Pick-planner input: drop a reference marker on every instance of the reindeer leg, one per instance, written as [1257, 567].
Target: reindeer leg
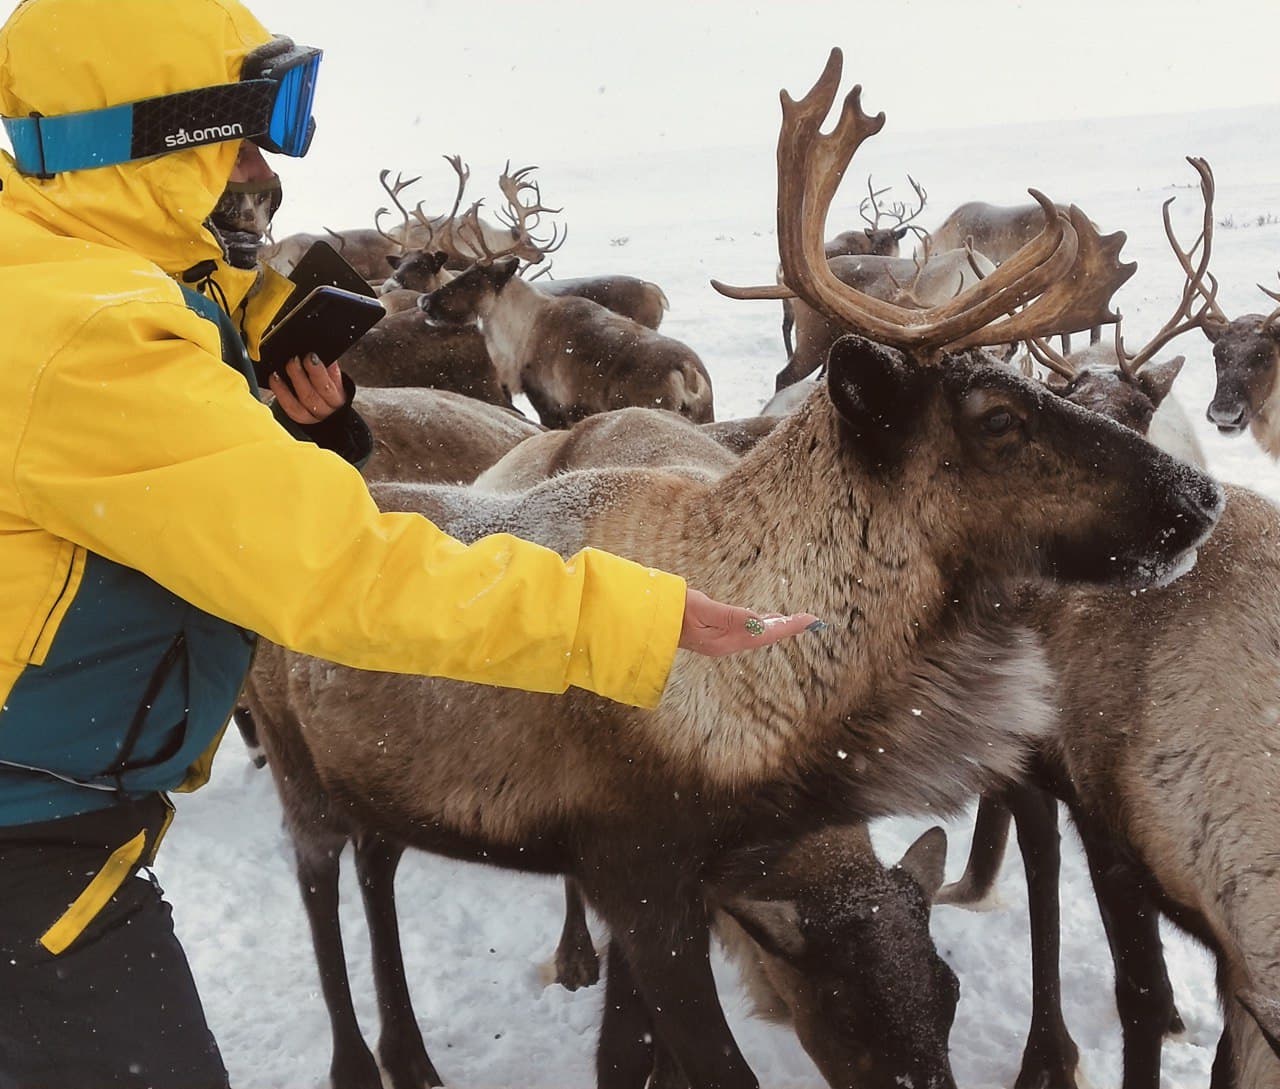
[353, 1065]
[986, 853]
[625, 1054]
[1143, 997]
[1050, 1058]
[788, 322]
[1223, 1074]
[576, 962]
[666, 963]
[400, 1047]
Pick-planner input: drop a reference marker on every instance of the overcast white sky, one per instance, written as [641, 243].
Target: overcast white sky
[665, 74]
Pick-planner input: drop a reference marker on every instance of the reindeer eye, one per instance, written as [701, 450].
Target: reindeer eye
[999, 422]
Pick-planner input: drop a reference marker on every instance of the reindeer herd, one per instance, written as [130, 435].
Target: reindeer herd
[1034, 593]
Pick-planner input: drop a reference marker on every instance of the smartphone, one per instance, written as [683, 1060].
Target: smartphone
[322, 265]
[327, 322]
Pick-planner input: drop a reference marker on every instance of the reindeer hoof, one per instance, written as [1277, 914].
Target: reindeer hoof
[579, 967]
[964, 894]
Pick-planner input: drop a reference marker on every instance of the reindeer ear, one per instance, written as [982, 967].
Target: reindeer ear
[1266, 1012]
[503, 269]
[394, 259]
[774, 925]
[1214, 330]
[877, 393]
[900, 233]
[926, 861]
[1157, 379]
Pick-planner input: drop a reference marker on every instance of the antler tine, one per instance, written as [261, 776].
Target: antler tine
[1198, 274]
[470, 223]
[872, 199]
[920, 192]
[464, 175]
[1047, 356]
[523, 218]
[1183, 320]
[1274, 316]
[1079, 299]
[394, 190]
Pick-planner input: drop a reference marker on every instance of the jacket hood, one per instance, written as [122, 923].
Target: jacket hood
[62, 56]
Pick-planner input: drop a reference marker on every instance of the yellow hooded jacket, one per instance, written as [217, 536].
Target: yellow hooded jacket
[152, 512]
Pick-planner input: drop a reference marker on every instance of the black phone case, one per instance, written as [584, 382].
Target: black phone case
[327, 322]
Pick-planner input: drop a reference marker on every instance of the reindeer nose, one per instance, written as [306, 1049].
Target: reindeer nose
[1229, 416]
[1208, 498]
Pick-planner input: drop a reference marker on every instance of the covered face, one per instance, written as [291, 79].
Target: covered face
[61, 57]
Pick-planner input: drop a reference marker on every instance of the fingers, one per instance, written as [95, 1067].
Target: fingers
[317, 390]
[288, 402]
[715, 629]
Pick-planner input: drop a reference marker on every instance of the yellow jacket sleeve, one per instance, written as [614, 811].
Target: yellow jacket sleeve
[141, 445]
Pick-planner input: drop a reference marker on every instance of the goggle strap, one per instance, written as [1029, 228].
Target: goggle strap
[45, 146]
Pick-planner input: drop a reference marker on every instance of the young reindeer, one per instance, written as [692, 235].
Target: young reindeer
[897, 508]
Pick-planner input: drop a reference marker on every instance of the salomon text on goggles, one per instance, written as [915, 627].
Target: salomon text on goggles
[271, 105]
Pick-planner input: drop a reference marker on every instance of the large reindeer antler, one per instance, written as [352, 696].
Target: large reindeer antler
[1063, 279]
[1183, 320]
[524, 218]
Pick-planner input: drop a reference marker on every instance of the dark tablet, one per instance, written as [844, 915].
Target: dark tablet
[327, 322]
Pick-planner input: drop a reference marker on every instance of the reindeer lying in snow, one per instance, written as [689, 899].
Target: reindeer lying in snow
[570, 356]
[901, 536]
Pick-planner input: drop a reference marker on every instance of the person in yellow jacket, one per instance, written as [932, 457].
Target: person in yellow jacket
[155, 517]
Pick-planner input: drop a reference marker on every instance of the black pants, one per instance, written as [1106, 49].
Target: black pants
[118, 1008]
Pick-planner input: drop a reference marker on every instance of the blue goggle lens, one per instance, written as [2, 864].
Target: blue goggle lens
[291, 127]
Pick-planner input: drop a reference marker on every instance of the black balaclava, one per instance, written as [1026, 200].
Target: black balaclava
[242, 217]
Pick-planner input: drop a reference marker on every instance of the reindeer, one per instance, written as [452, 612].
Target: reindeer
[1246, 354]
[902, 536]
[570, 356]
[872, 239]
[436, 435]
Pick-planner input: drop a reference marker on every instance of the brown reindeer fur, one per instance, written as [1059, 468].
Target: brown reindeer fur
[1246, 353]
[919, 693]
[403, 350]
[572, 357]
[994, 230]
[829, 941]
[436, 435]
[1169, 748]
[640, 300]
[629, 436]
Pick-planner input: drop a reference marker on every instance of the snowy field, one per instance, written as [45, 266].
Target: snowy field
[474, 937]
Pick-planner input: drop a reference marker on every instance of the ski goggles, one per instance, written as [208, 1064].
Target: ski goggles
[271, 105]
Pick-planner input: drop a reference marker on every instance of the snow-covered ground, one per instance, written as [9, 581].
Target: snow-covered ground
[474, 937]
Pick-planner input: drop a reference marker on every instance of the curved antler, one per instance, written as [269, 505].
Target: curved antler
[1065, 275]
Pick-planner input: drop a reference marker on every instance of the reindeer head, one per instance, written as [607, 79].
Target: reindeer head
[846, 951]
[886, 227]
[418, 270]
[966, 441]
[466, 299]
[1246, 354]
